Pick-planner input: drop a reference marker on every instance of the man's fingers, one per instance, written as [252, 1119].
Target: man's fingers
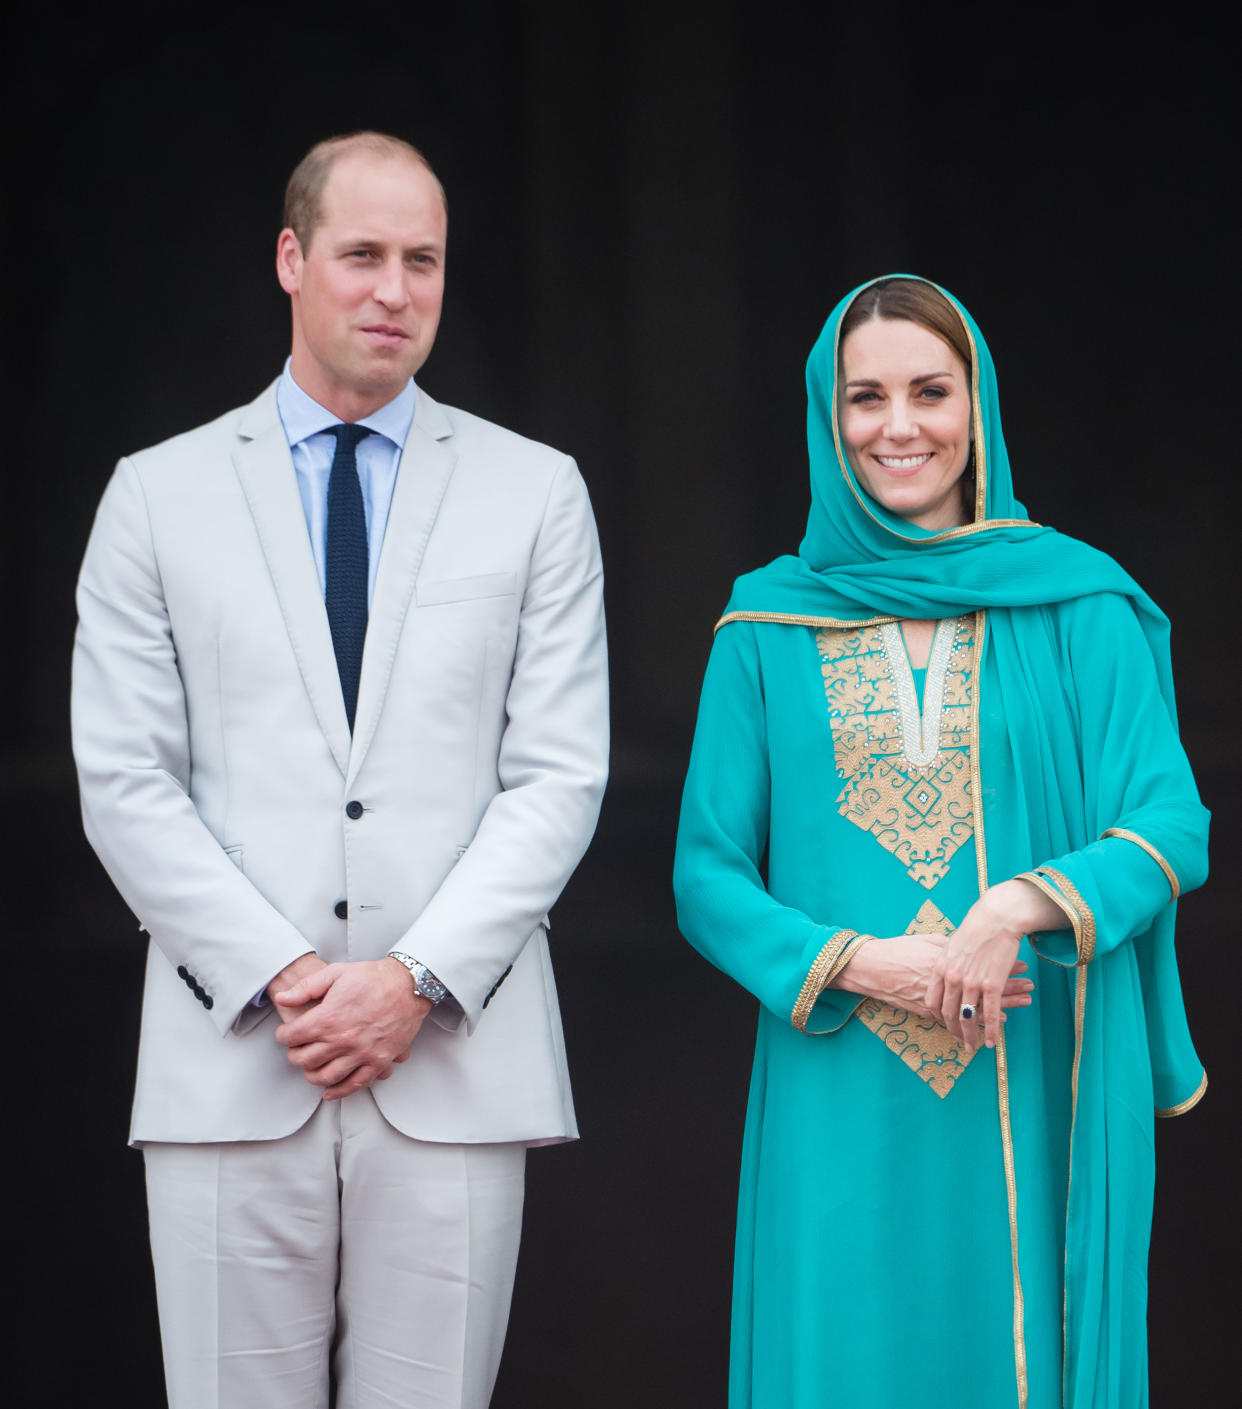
[357, 1080]
[339, 1072]
[309, 989]
[313, 1056]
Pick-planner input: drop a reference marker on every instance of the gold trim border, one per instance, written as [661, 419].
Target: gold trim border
[1002, 1062]
[1011, 1191]
[1080, 1015]
[1170, 874]
[1183, 1106]
[1086, 945]
[837, 966]
[817, 976]
[1062, 904]
[797, 619]
[829, 962]
[976, 792]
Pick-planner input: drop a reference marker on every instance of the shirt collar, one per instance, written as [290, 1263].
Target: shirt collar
[302, 416]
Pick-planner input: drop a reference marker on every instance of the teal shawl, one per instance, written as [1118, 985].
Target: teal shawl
[859, 562]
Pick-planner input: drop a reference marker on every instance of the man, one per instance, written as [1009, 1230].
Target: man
[344, 857]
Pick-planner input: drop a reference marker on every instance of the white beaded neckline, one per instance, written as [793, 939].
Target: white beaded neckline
[920, 730]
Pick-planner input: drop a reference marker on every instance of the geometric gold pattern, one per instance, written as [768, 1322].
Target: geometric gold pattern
[923, 1044]
[905, 782]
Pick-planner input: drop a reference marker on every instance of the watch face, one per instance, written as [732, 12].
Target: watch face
[429, 986]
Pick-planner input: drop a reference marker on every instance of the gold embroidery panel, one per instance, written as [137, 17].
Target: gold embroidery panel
[924, 1045]
[920, 815]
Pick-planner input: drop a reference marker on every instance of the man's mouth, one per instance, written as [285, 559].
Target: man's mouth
[385, 334]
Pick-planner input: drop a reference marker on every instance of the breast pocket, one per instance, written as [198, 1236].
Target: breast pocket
[465, 589]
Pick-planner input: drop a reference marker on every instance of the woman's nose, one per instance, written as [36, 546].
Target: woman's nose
[901, 423]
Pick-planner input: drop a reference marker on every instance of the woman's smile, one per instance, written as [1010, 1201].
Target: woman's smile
[904, 463]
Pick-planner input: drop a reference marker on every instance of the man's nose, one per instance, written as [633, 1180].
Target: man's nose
[390, 287]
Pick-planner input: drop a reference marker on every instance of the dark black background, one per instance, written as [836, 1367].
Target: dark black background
[653, 209]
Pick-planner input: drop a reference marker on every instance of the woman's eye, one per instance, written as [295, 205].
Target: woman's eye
[863, 398]
[934, 393]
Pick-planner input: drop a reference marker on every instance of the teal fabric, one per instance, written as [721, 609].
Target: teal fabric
[1077, 736]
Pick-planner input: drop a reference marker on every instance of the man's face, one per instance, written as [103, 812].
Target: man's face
[367, 292]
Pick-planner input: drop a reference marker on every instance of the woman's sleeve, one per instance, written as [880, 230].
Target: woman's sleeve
[1151, 827]
[723, 907]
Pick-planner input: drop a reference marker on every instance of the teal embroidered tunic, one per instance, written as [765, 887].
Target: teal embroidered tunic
[902, 1214]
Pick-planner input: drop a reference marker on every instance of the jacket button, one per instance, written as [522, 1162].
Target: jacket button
[341, 910]
[353, 810]
[209, 1002]
[183, 973]
[198, 991]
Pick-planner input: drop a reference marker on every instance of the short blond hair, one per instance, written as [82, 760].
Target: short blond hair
[304, 193]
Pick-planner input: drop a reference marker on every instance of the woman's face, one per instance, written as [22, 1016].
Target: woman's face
[905, 419]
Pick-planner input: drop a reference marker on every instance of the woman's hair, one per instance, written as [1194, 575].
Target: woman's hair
[914, 301]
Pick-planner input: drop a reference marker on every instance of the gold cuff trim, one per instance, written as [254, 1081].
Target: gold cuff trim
[838, 965]
[1062, 904]
[1084, 932]
[797, 619]
[829, 962]
[1183, 1106]
[1170, 874]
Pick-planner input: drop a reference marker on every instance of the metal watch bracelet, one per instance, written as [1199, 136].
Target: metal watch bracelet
[425, 981]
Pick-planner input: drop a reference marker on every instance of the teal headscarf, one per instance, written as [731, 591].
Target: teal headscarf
[860, 562]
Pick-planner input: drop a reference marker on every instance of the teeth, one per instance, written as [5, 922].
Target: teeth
[902, 462]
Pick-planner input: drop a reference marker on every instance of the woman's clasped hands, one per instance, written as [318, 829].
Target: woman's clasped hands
[978, 975]
[967, 979]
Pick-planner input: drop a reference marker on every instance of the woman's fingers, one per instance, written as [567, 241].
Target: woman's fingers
[933, 999]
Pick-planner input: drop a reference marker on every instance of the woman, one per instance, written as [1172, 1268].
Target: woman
[936, 818]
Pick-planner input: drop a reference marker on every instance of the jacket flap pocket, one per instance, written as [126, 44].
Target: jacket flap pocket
[462, 589]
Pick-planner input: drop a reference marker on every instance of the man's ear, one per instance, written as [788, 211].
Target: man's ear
[288, 261]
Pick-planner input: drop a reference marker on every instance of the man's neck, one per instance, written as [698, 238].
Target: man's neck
[348, 404]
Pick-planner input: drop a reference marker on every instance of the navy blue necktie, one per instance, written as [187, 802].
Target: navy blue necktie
[346, 564]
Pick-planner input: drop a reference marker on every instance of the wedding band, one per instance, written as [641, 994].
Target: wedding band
[968, 1011]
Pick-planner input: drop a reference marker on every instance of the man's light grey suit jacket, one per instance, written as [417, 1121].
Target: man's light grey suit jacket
[217, 768]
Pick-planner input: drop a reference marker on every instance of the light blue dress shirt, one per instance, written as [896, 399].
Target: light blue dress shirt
[312, 446]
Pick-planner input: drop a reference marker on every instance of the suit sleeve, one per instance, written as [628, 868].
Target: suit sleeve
[552, 764]
[131, 746]
[779, 954]
[1151, 828]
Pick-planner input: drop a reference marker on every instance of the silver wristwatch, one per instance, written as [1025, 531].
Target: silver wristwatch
[424, 980]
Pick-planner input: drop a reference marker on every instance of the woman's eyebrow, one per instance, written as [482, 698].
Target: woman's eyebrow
[914, 381]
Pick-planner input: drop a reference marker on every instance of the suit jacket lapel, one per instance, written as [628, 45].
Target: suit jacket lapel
[422, 477]
[265, 469]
